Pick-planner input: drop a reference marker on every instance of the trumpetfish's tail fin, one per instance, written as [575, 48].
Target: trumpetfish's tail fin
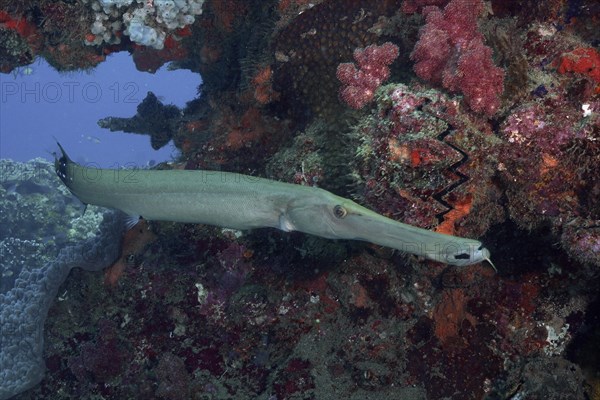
[63, 168]
[61, 165]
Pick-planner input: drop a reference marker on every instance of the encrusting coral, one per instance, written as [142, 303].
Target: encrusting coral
[29, 286]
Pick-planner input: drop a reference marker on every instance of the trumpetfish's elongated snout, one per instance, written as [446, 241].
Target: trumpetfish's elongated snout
[243, 202]
[335, 217]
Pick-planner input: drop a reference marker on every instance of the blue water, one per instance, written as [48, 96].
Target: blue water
[40, 104]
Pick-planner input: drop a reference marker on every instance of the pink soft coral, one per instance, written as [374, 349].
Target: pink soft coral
[450, 52]
[360, 83]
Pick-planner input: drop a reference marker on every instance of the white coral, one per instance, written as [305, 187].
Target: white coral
[146, 22]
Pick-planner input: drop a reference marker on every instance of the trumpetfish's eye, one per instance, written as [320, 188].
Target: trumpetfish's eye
[462, 256]
[339, 211]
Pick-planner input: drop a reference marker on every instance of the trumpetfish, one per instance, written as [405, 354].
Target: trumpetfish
[237, 201]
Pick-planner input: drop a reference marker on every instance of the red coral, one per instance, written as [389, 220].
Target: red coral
[584, 61]
[21, 26]
[451, 52]
[360, 83]
[147, 59]
[25, 29]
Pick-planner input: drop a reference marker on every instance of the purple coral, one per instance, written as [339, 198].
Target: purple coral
[583, 242]
[100, 360]
[532, 124]
[450, 52]
[174, 380]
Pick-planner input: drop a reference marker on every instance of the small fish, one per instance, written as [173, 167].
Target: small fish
[21, 72]
[93, 139]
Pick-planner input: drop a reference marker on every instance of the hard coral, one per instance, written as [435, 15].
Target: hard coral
[451, 52]
[310, 47]
[359, 84]
[550, 150]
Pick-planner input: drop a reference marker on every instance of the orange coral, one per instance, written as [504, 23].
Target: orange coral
[263, 76]
[358, 296]
[250, 128]
[262, 82]
[548, 162]
[209, 54]
[461, 209]
[133, 242]
[450, 313]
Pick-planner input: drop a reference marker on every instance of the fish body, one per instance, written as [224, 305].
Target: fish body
[242, 202]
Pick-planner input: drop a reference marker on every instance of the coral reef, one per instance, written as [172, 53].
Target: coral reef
[79, 35]
[584, 61]
[312, 45]
[552, 147]
[146, 23]
[32, 279]
[487, 126]
[54, 30]
[413, 163]
[19, 39]
[39, 217]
